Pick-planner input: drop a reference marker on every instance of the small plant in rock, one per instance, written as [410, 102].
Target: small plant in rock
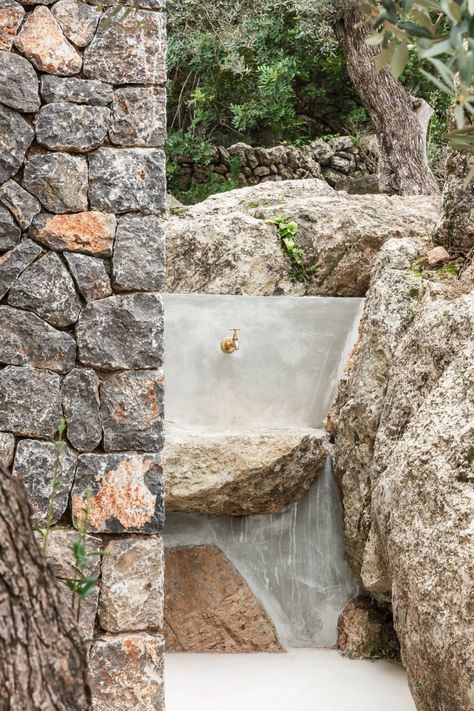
[287, 231]
[80, 583]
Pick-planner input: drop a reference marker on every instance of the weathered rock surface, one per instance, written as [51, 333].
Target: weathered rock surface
[13, 263]
[127, 180]
[39, 465]
[90, 276]
[389, 309]
[47, 288]
[30, 404]
[80, 399]
[410, 489]
[365, 631]
[138, 116]
[11, 15]
[15, 138]
[88, 232]
[78, 20]
[25, 339]
[10, 233]
[224, 244]
[131, 51]
[132, 584]
[42, 41]
[7, 448]
[209, 606]
[122, 332]
[139, 254]
[72, 127]
[78, 91]
[58, 180]
[127, 492]
[21, 204]
[131, 408]
[241, 473]
[455, 229]
[18, 83]
[60, 557]
[127, 672]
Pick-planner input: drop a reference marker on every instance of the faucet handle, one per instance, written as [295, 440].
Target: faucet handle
[235, 330]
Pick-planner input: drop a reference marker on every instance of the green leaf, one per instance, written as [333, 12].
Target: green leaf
[444, 71]
[415, 30]
[375, 39]
[437, 82]
[400, 59]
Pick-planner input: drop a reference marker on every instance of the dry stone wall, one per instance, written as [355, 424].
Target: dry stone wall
[82, 190]
[342, 163]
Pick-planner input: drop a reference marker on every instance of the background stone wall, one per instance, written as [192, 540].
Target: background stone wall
[336, 161]
[82, 188]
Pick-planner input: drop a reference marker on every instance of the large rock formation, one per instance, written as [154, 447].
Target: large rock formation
[241, 473]
[210, 608]
[225, 245]
[403, 456]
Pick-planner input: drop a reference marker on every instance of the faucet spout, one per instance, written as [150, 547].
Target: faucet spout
[230, 344]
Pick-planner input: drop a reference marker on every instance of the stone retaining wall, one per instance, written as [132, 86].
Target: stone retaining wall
[335, 161]
[82, 189]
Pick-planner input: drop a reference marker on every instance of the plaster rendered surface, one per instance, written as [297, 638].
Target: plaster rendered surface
[294, 561]
[283, 375]
[303, 680]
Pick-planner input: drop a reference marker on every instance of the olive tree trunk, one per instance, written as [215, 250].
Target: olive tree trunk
[42, 658]
[400, 121]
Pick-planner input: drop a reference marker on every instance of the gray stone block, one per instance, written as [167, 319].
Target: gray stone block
[80, 397]
[90, 275]
[18, 83]
[10, 233]
[58, 180]
[13, 263]
[138, 262]
[72, 127]
[127, 180]
[30, 403]
[7, 448]
[131, 51]
[122, 332]
[16, 136]
[40, 465]
[21, 204]
[25, 339]
[78, 20]
[78, 91]
[131, 408]
[139, 116]
[47, 289]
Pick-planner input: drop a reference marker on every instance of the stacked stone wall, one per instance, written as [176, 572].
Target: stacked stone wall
[336, 161]
[82, 190]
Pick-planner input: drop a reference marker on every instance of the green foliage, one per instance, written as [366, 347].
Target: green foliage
[441, 33]
[287, 231]
[265, 71]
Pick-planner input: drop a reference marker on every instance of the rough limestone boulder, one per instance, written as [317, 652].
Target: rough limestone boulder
[209, 606]
[404, 449]
[242, 473]
[225, 245]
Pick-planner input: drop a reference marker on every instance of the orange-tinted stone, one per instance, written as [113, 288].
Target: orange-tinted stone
[88, 232]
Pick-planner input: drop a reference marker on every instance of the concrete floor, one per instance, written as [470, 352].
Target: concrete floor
[301, 680]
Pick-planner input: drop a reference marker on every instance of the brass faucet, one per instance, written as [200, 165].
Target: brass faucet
[231, 343]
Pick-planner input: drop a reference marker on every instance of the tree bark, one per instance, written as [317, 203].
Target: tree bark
[399, 121]
[42, 658]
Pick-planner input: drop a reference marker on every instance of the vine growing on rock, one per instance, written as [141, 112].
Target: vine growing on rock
[287, 231]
